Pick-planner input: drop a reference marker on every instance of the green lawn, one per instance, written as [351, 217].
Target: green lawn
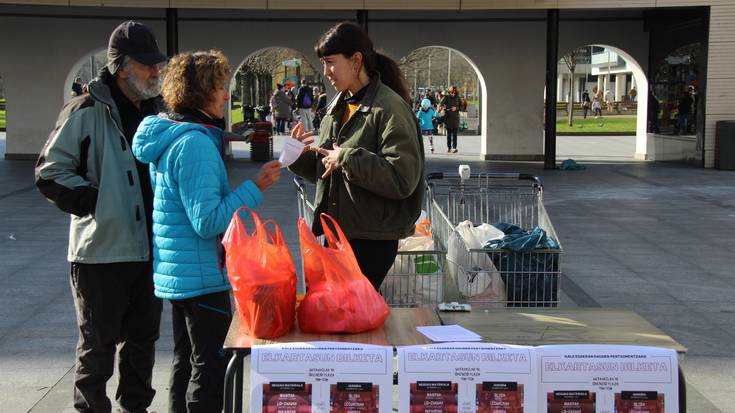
[236, 114]
[592, 125]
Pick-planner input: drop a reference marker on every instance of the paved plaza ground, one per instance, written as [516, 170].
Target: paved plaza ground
[654, 238]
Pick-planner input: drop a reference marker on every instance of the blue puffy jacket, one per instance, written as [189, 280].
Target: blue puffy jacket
[425, 118]
[192, 206]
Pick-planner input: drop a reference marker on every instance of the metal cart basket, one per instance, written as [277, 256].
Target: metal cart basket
[416, 277]
[493, 275]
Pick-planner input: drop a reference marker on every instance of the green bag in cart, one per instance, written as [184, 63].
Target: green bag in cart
[426, 264]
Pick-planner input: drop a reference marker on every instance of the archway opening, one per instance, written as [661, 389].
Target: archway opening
[601, 116]
[430, 71]
[83, 71]
[253, 86]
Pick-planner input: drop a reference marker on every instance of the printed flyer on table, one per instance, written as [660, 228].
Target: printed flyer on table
[321, 377]
[608, 379]
[463, 377]
[466, 378]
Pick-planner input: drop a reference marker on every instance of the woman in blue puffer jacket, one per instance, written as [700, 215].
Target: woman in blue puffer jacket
[192, 206]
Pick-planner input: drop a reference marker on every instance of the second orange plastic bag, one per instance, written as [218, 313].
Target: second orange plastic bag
[263, 277]
[339, 298]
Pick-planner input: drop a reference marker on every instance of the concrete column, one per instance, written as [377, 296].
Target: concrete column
[606, 83]
[172, 32]
[552, 59]
[600, 83]
[560, 88]
[577, 94]
[620, 91]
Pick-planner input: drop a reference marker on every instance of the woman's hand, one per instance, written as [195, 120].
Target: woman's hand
[304, 137]
[330, 160]
[268, 175]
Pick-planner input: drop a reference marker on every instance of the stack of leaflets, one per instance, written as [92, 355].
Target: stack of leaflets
[448, 333]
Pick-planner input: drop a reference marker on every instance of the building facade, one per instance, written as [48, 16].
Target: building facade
[504, 40]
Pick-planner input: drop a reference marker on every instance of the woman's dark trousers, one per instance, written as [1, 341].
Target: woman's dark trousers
[198, 371]
[452, 138]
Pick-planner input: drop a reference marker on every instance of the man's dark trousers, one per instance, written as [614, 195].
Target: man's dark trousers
[115, 305]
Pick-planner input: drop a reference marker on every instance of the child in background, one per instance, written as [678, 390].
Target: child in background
[426, 117]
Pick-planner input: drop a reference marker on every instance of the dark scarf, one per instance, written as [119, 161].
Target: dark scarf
[357, 97]
[197, 116]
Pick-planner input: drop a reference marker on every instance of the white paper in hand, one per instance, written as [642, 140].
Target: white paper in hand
[291, 151]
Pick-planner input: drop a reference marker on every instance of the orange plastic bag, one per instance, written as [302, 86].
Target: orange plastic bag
[263, 277]
[339, 298]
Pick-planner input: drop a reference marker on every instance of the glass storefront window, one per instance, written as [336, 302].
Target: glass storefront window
[674, 98]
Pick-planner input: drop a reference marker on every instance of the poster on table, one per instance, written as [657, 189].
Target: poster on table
[607, 379]
[321, 377]
[467, 377]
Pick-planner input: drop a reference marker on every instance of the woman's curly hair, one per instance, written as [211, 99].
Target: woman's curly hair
[190, 78]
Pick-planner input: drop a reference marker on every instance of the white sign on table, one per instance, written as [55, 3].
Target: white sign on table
[321, 377]
[466, 377]
[607, 379]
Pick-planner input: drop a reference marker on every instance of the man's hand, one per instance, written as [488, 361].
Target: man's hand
[268, 175]
[330, 160]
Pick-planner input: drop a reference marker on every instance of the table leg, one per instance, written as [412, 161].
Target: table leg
[233, 374]
[682, 392]
[238, 382]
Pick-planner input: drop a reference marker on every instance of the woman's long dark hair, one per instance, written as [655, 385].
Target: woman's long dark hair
[347, 38]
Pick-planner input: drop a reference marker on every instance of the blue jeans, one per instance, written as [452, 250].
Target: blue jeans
[683, 121]
[280, 125]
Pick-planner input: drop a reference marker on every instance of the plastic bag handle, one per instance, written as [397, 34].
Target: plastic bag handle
[259, 230]
[275, 236]
[338, 241]
[335, 242]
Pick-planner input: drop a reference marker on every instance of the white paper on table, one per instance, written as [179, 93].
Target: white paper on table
[448, 333]
[291, 151]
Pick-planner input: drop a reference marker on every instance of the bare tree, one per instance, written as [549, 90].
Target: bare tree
[571, 59]
[258, 73]
[266, 60]
[428, 67]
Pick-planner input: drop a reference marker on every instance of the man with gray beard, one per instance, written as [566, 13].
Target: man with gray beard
[87, 170]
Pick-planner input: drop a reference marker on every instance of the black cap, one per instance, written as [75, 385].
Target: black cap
[135, 40]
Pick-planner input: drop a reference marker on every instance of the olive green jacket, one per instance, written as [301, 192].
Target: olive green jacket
[378, 191]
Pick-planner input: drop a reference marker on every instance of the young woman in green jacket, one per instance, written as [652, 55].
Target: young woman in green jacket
[368, 161]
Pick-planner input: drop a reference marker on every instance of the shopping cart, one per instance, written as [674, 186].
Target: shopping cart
[494, 277]
[416, 277]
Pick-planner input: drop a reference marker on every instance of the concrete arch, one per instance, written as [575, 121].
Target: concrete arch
[641, 146]
[75, 69]
[483, 90]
